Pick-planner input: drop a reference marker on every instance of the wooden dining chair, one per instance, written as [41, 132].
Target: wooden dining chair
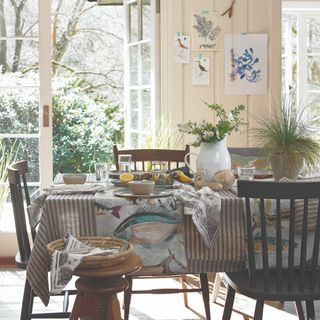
[283, 264]
[141, 157]
[174, 159]
[20, 194]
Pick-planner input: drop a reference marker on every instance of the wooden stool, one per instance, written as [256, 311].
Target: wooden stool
[98, 288]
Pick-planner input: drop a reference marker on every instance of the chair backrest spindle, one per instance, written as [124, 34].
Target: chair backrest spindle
[291, 204]
[141, 157]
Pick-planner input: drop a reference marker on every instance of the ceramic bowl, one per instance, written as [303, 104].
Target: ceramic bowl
[74, 178]
[141, 187]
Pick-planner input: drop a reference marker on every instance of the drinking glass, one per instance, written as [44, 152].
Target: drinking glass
[246, 172]
[158, 171]
[102, 172]
[124, 161]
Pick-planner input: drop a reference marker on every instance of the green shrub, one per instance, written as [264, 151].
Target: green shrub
[84, 130]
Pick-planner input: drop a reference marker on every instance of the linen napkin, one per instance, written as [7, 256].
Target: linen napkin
[74, 188]
[63, 263]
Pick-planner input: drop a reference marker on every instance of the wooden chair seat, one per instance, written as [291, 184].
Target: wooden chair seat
[241, 283]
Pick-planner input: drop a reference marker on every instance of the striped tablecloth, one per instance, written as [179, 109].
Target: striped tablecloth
[76, 214]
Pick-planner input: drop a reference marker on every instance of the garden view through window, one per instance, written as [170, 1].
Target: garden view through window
[88, 83]
[301, 53]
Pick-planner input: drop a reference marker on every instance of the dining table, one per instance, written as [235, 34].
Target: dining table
[181, 247]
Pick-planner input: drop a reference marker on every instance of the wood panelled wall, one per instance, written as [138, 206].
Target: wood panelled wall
[180, 98]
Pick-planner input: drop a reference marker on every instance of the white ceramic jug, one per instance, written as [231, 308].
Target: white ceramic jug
[212, 157]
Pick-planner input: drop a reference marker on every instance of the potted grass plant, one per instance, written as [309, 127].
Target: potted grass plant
[289, 139]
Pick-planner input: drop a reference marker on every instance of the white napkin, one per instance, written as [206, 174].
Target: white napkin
[74, 188]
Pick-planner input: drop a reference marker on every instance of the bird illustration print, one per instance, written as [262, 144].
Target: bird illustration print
[182, 47]
[202, 69]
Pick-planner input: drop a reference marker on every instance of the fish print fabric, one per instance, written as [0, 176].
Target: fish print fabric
[153, 226]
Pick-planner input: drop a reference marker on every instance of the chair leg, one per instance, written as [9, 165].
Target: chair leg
[65, 302]
[258, 312]
[127, 298]
[310, 310]
[27, 302]
[216, 287]
[299, 310]
[205, 294]
[229, 303]
[184, 286]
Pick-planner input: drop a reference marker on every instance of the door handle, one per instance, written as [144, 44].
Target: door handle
[45, 117]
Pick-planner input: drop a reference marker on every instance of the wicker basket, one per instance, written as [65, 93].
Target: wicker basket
[98, 261]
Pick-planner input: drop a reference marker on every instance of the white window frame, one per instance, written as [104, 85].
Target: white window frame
[44, 87]
[302, 10]
[155, 74]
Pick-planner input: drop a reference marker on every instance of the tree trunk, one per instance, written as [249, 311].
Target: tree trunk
[18, 27]
[62, 44]
[3, 44]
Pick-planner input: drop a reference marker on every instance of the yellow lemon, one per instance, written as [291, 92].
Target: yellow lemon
[126, 177]
[184, 179]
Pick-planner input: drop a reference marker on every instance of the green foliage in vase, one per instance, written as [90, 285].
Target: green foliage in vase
[287, 132]
[209, 132]
[84, 129]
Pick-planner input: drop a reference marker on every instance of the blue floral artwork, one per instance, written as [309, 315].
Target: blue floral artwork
[245, 66]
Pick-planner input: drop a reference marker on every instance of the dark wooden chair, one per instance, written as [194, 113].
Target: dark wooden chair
[285, 281]
[174, 159]
[140, 157]
[19, 191]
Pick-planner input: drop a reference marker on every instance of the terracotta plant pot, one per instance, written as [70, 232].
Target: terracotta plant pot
[285, 166]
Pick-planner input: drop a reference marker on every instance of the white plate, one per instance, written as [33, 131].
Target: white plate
[154, 194]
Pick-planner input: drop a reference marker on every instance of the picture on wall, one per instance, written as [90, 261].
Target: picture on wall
[246, 64]
[206, 31]
[181, 49]
[201, 70]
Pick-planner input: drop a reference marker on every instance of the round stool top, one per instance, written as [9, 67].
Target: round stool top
[131, 265]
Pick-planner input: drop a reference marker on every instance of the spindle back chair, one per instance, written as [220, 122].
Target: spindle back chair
[295, 274]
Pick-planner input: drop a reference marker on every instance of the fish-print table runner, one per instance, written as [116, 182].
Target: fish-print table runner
[78, 213]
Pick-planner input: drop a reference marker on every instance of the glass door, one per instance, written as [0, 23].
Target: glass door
[140, 74]
[25, 86]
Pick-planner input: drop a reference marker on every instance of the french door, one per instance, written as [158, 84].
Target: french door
[141, 75]
[25, 85]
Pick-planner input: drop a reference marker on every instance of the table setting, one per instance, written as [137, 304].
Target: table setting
[183, 231]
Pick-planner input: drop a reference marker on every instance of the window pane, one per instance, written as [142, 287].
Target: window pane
[134, 109]
[134, 140]
[134, 119]
[133, 8]
[19, 65]
[133, 65]
[146, 63]
[19, 111]
[26, 149]
[313, 35]
[146, 109]
[28, 15]
[313, 73]
[314, 102]
[146, 19]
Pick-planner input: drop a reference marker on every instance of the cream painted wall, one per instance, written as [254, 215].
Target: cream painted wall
[180, 98]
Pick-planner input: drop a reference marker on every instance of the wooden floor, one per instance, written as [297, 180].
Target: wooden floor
[144, 307]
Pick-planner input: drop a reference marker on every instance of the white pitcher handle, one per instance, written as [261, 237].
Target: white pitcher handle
[186, 161]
